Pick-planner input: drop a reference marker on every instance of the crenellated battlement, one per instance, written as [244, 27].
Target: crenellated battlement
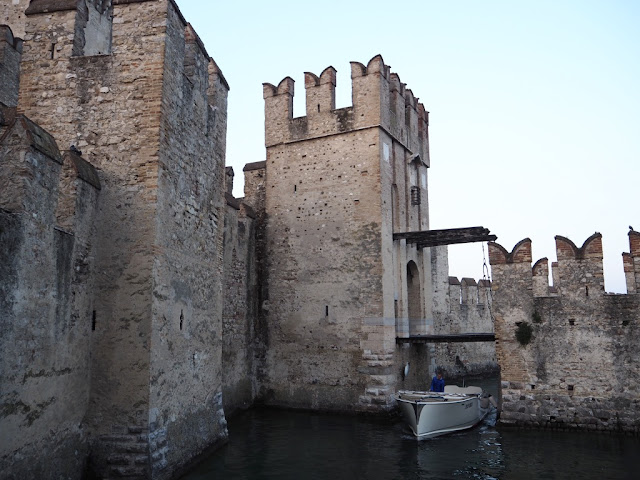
[578, 272]
[551, 340]
[379, 99]
[500, 256]
[468, 291]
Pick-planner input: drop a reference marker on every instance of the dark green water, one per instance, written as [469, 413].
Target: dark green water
[279, 444]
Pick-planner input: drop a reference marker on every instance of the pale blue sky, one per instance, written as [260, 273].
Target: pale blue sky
[535, 106]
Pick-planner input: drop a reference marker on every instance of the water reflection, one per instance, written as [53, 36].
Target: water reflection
[277, 444]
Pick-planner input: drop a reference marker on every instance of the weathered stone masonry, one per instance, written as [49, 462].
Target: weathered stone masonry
[580, 370]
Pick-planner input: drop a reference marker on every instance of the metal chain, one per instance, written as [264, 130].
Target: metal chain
[486, 276]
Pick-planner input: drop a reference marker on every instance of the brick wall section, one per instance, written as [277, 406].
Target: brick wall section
[541, 278]
[470, 312]
[512, 303]
[47, 279]
[255, 182]
[578, 371]
[580, 270]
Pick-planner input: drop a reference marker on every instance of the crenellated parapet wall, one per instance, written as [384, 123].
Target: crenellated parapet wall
[566, 352]
[380, 99]
[580, 270]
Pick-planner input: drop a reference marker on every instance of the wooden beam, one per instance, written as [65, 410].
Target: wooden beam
[454, 338]
[432, 238]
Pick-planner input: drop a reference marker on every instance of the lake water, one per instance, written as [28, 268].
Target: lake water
[280, 444]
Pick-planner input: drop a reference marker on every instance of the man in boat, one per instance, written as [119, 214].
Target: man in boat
[437, 383]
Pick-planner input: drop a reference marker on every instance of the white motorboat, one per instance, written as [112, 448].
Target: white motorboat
[430, 414]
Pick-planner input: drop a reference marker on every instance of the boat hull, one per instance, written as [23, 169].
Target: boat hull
[430, 415]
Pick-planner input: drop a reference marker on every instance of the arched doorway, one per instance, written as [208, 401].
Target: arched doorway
[413, 292]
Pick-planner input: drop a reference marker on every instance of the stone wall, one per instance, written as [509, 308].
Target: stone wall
[45, 303]
[240, 341]
[578, 371]
[186, 328]
[177, 302]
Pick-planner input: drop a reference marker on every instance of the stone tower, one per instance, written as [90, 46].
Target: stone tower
[338, 289]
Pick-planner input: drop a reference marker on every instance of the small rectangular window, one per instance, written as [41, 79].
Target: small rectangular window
[415, 196]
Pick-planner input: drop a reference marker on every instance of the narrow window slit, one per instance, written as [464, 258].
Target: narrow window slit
[181, 319]
[93, 321]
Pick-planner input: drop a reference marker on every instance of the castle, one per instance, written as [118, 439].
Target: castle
[142, 304]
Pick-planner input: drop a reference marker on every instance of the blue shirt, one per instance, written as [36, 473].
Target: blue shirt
[437, 385]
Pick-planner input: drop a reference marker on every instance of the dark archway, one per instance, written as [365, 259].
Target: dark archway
[413, 291]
